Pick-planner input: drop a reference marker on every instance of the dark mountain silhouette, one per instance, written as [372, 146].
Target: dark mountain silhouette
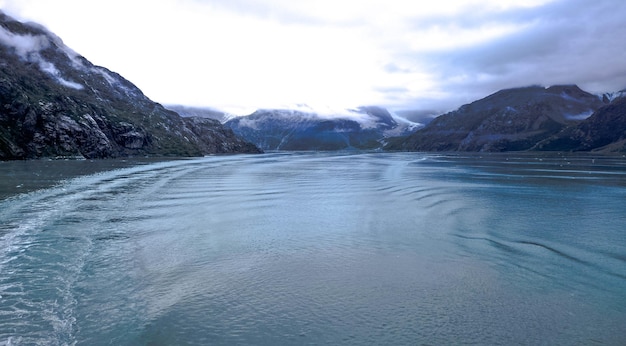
[605, 130]
[508, 120]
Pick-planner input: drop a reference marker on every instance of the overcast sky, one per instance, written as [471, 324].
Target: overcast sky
[239, 55]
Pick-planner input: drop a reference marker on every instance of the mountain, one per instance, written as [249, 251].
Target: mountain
[508, 120]
[612, 96]
[201, 112]
[363, 128]
[53, 102]
[604, 130]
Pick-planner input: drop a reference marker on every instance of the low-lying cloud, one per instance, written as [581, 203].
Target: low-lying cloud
[28, 48]
[25, 46]
[562, 42]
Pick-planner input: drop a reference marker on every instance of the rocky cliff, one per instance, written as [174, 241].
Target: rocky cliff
[53, 102]
[508, 120]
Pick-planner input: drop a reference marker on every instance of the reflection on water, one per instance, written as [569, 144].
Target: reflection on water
[321, 248]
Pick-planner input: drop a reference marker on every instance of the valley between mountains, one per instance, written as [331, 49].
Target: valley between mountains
[55, 103]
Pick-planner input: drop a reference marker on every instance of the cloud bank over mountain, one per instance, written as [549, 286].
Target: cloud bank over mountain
[243, 55]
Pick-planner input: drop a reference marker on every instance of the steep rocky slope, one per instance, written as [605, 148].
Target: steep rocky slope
[512, 119]
[53, 102]
[605, 130]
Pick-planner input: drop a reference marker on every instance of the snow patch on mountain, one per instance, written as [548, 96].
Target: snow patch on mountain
[404, 127]
[612, 96]
[305, 129]
[322, 112]
[367, 118]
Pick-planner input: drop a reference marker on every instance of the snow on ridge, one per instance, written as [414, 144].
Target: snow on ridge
[228, 117]
[404, 121]
[612, 96]
[304, 112]
[323, 112]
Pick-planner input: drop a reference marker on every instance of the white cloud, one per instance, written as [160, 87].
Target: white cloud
[239, 55]
[28, 47]
[25, 45]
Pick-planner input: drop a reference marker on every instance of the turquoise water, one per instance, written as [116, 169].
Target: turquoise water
[320, 248]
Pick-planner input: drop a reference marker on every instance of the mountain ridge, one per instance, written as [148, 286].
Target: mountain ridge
[604, 130]
[508, 120]
[287, 129]
[54, 103]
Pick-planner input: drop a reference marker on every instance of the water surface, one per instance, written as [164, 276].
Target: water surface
[321, 248]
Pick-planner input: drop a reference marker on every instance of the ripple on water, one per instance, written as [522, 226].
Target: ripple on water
[318, 248]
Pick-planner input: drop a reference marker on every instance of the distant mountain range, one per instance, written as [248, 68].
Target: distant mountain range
[556, 118]
[362, 128]
[559, 118]
[53, 102]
